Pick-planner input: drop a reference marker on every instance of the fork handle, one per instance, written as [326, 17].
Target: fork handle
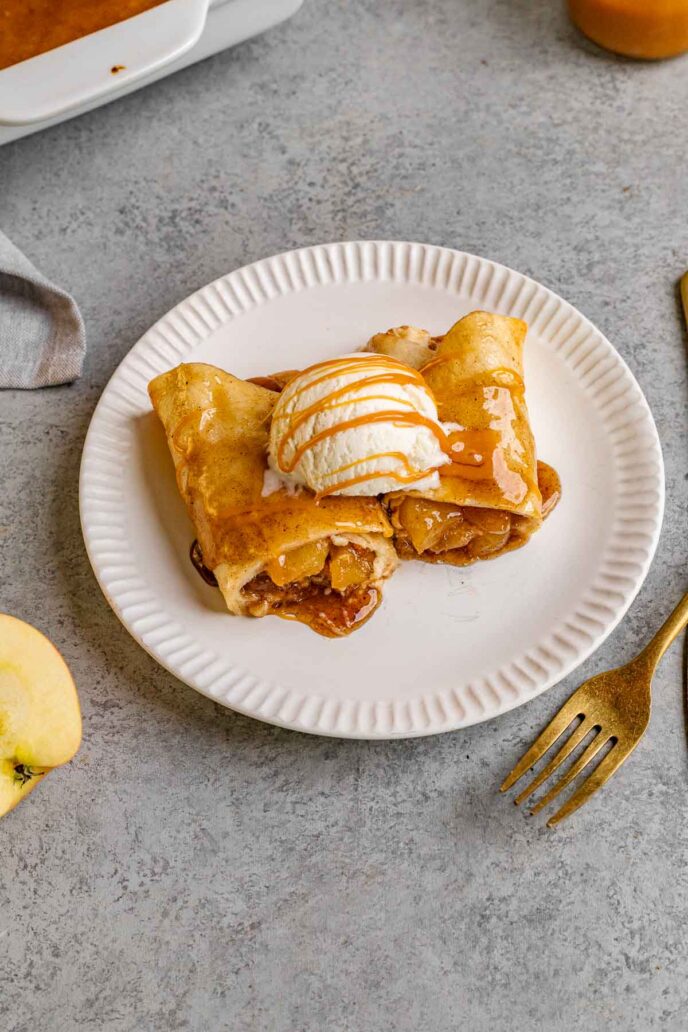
[670, 629]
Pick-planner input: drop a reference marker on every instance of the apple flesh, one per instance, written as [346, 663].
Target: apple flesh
[40, 718]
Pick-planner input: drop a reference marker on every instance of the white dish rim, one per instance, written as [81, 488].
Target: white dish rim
[99, 64]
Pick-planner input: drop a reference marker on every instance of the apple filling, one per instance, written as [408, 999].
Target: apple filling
[323, 584]
[462, 534]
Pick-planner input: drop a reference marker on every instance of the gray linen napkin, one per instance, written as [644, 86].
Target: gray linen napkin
[42, 336]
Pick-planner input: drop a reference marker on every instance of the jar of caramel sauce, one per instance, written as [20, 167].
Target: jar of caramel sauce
[649, 29]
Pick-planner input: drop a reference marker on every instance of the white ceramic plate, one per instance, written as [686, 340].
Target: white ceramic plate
[449, 647]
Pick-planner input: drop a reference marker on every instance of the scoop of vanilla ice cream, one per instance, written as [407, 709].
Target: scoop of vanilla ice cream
[311, 444]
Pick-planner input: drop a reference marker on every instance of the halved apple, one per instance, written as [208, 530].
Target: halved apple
[40, 718]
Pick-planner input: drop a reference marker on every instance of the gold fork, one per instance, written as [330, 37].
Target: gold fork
[616, 705]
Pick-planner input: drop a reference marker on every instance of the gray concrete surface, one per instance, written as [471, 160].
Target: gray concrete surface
[197, 870]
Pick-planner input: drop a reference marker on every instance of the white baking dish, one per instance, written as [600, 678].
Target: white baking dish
[97, 68]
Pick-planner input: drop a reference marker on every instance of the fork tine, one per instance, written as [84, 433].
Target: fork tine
[601, 774]
[556, 727]
[584, 728]
[574, 770]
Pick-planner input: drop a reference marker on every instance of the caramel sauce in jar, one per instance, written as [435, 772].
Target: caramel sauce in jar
[649, 29]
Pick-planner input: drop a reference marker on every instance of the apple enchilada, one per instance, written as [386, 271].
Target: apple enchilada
[305, 488]
[284, 553]
[494, 494]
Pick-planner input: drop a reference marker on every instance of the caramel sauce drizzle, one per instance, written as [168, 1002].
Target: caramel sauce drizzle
[470, 451]
[501, 379]
[412, 472]
[476, 461]
[330, 401]
[412, 476]
[501, 376]
[394, 416]
[356, 365]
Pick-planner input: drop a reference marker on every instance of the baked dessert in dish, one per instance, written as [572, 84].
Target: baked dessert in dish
[306, 488]
[29, 29]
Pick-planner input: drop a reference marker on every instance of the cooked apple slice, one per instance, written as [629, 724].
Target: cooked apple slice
[436, 526]
[40, 719]
[304, 561]
[457, 533]
[487, 544]
[488, 521]
[350, 566]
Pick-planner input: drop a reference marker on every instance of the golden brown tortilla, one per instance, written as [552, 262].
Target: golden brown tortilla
[339, 549]
[490, 500]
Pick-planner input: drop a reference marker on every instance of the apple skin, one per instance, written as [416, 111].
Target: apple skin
[40, 718]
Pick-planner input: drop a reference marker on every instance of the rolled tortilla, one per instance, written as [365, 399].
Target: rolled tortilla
[490, 499]
[339, 550]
